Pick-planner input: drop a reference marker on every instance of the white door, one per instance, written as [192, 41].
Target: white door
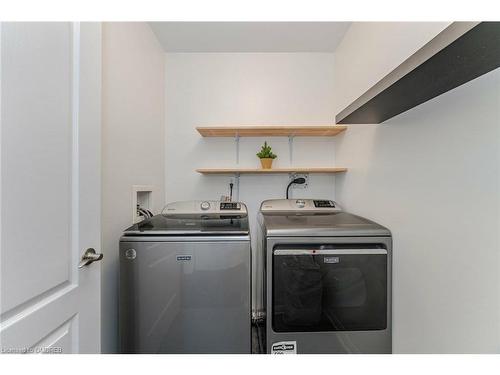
[50, 186]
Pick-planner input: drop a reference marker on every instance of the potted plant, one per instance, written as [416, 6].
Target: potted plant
[266, 156]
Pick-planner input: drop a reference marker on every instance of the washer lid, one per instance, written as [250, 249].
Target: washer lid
[333, 224]
[191, 224]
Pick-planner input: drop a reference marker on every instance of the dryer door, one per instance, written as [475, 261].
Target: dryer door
[329, 288]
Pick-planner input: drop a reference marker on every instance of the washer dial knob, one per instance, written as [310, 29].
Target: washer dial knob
[205, 205]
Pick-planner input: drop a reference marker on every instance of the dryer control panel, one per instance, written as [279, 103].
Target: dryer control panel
[299, 205]
[324, 204]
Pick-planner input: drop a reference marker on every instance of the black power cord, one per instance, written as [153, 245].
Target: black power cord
[298, 180]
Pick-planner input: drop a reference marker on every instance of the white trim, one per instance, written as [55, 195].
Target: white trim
[75, 162]
[40, 304]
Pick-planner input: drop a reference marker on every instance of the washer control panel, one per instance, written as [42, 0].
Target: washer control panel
[230, 206]
[299, 205]
[205, 207]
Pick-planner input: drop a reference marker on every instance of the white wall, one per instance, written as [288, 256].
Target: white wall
[133, 144]
[246, 89]
[432, 176]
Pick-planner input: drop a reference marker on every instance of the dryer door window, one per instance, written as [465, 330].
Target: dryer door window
[330, 288]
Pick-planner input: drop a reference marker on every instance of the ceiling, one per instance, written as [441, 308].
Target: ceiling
[249, 36]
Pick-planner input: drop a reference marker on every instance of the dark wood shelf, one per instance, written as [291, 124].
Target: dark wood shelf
[460, 53]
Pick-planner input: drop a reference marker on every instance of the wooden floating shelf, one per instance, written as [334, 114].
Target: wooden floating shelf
[271, 131]
[461, 52]
[268, 171]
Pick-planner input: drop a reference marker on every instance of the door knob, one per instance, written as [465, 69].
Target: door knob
[88, 257]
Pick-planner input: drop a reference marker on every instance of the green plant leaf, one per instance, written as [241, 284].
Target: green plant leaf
[266, 152]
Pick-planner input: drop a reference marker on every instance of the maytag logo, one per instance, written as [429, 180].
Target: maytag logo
[331, 260]
[130, 254]
[183, 258]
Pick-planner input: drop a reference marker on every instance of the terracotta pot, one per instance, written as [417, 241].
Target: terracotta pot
[266, 163]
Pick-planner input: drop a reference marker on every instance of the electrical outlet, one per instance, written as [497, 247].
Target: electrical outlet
[230, 195]
[300, 186]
